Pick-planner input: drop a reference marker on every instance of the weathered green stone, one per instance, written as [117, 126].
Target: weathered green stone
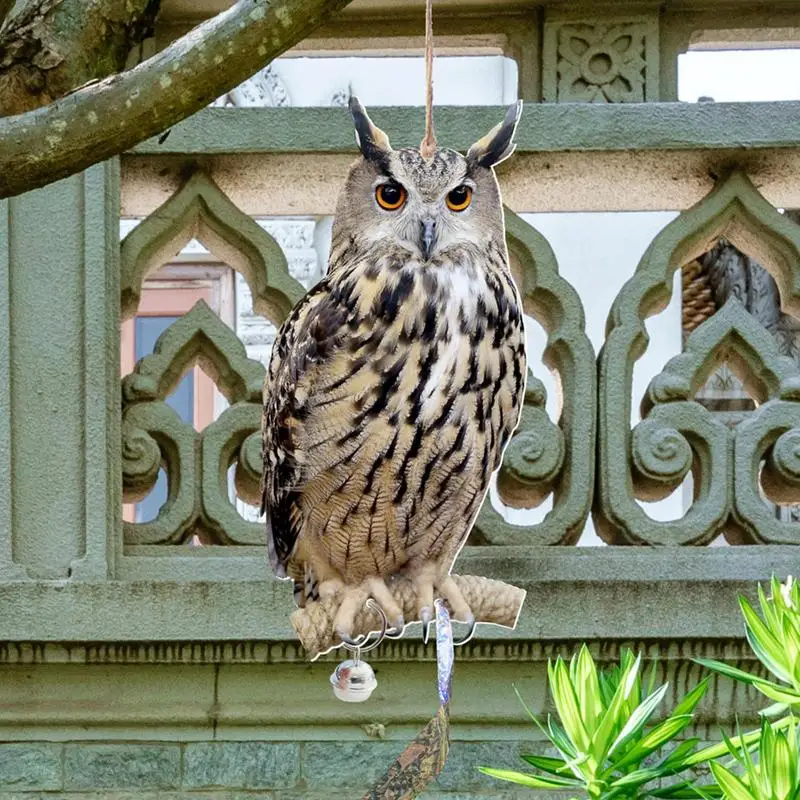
[241, 765]
[544, 127]
[29, 766]
[461, 773]
[59, 361]
[358, 765]
[677, 433]
[122, 766]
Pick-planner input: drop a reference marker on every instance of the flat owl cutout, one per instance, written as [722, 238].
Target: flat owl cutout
[393, 389]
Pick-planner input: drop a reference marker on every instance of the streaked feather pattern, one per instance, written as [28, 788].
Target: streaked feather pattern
[396, 383]
[391, 394]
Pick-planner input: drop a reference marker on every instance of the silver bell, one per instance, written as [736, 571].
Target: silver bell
[353, 681]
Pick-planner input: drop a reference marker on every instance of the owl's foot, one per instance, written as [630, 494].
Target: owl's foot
[352, 600]
[426, 584]
[394, 614]
[329, 588]
[459, 609]
[423, 578]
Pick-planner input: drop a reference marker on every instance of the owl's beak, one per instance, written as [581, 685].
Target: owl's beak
[428, 237]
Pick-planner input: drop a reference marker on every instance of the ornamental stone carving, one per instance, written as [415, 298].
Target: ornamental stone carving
[547, 458]
[197, 463]
[738, 470]
[264, 89]
[601, 62]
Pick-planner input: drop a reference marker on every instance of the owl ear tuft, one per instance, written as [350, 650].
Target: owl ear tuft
[497, 145]
[371, 140]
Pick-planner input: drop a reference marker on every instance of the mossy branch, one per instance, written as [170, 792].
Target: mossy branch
[51, 47]
[110, 116]
[6, 7]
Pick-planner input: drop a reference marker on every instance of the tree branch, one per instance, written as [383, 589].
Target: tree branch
[5, 9]
[53, 46]
[109, 117]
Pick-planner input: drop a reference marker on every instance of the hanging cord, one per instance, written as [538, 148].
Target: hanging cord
[428, 145]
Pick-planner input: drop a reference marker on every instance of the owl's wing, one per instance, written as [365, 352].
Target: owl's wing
[304, 343]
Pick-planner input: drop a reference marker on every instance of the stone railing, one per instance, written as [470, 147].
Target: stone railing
[215, 693]
[79, 445]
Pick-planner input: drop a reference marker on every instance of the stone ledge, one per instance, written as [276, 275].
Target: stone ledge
[409, 649]
[265, 184]
[572, 593]
[293, 702]
[544, 127]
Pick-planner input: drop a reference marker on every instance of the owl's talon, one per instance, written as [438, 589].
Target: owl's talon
[347, 640]
[396, 631]
[471, 621]
[425, 616]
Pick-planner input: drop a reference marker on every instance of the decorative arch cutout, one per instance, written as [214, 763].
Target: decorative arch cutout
[197, 337]
[201, 210]
[732, 334]
[546, 457]
[678, 434]
[196, 463]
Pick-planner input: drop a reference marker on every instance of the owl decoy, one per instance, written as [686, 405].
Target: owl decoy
[394, 386]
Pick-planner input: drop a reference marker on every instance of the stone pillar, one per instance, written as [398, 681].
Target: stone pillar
[59, 378]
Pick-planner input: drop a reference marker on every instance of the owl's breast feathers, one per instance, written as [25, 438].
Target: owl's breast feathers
[391, 393]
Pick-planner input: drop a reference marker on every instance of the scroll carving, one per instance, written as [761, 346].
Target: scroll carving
[732, 467]
[197, 463]
[546, 457]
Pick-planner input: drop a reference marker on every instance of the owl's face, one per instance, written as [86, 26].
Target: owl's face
[426, 205]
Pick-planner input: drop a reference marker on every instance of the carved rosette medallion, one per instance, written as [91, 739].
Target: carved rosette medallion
[608, 62]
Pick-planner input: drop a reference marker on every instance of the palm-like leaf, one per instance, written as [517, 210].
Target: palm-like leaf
[532, 781]
[774, 775]
[774, 637]
[604, 730]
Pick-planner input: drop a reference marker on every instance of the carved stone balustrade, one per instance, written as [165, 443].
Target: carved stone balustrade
[738, 475]
[616, 52]
[89, 602]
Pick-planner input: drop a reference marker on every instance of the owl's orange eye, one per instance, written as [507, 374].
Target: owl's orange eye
[390, 196]
[459, 198]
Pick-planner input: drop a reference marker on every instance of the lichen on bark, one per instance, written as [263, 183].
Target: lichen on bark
[55, 46]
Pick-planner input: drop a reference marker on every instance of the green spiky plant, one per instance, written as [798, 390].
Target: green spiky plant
[603, 737]
[769, 759]
[774, 775]
[774, 637]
